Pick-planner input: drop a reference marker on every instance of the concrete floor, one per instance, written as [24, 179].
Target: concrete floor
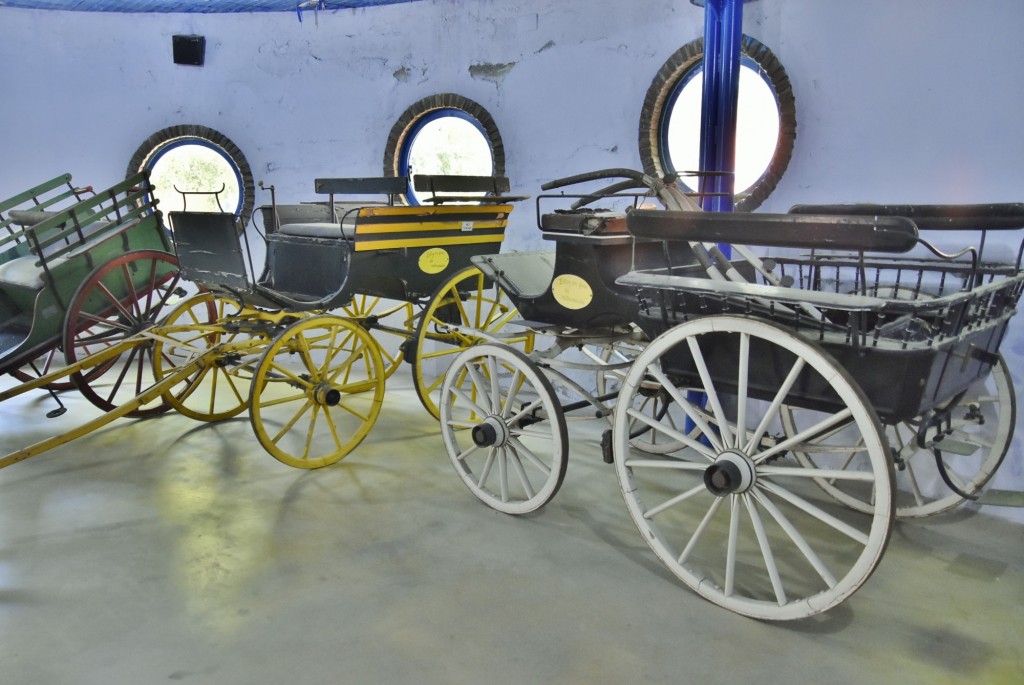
[169, 550]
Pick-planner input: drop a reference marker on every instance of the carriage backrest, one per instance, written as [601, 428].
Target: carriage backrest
[35, 205]
[455, 188]
[208, 247]
[976, 217]
[383, 228]
[810, 231]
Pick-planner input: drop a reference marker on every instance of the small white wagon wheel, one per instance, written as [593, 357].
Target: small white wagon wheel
[732, 514]
[503, 428]
[976, 440]
[317, 391]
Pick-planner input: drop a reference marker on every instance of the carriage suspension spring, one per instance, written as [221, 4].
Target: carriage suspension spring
[936, 421]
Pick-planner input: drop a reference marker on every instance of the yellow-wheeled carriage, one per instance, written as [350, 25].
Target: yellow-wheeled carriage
[296, 344]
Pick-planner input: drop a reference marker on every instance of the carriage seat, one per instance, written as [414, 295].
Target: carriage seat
[313, 219]
[23, 272]
[26, 271]
[30, 217]
[322, 229]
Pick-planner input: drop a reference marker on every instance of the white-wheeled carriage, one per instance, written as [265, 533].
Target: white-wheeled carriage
[771, 415]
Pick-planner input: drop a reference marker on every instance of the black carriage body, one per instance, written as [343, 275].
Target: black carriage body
[577, 287]
[908, 358]
[913, 332]
[393, 252]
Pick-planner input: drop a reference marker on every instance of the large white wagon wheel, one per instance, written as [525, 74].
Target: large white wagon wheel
[462, 312]
[317, 391]
[503, 428]
[975, 442]
[731, 514]
[119, 299]
[219, 388]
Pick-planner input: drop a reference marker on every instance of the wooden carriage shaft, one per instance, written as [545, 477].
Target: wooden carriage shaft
[150, 394]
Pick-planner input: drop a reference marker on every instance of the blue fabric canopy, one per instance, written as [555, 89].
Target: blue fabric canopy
[193, 6]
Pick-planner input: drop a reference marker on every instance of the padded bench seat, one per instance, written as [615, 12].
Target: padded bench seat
[320, 229]
[23, 271]
[30, 217]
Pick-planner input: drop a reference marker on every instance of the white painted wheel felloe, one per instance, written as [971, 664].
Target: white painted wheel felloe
[731, 512]
[503, 428]
[975, 441]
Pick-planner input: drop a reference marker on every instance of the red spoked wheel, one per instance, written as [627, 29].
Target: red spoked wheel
[127, 295]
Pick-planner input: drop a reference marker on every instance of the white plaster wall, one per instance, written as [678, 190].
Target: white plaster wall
[910, 101]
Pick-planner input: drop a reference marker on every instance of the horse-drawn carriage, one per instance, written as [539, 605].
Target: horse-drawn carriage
[80, 272]
[294, 342]
[765, 409]
[769, 415]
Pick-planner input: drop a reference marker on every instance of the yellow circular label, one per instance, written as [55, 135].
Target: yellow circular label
[434, 260]
[572, 292]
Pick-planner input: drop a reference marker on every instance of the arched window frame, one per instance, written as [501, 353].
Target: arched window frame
[417, 116]
[165, 140]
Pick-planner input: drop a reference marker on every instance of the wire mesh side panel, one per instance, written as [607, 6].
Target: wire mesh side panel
[912, 333]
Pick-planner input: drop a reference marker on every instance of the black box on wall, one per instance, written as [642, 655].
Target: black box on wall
[189, 50]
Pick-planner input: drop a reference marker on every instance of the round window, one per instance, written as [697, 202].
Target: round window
[197, 169]
[444, 134]
[765, 126]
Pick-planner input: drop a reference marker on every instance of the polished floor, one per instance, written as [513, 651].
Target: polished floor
[167, 550]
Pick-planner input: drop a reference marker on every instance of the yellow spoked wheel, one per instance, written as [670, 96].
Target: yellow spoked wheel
[467, 309]
[392, 324]
[317, 391]
[219, 389]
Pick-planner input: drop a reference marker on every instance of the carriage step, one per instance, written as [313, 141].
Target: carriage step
[606, 447]
[1002, 498]
[964, 449]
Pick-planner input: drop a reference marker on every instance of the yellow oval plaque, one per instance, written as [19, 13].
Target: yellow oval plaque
[434, 260]
[572, 292]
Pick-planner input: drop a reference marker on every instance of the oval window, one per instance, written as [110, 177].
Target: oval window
[444, 134]
[765, 126]
[198, 169]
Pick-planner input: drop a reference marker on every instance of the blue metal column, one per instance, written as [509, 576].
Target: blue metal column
[723, 31]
